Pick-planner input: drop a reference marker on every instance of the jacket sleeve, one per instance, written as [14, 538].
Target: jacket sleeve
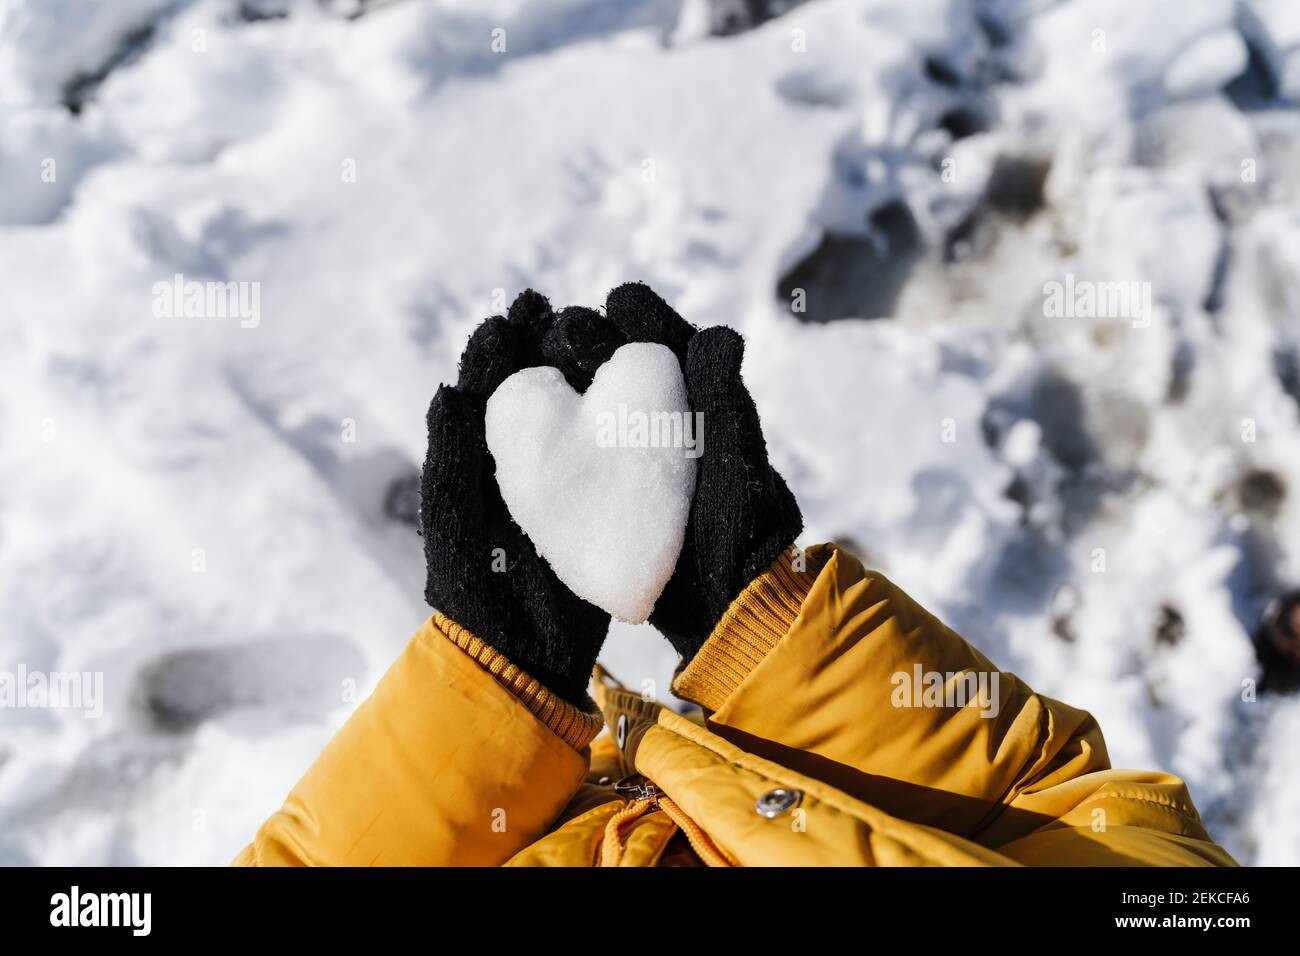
[457, 758]
[833, 671]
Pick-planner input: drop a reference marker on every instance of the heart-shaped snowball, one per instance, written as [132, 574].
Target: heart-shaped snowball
[600, 482]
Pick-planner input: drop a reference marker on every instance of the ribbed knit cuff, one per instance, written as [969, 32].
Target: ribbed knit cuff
[756, 620]
[574, 726]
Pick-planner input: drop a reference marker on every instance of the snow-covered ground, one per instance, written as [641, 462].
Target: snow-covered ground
[193, 505]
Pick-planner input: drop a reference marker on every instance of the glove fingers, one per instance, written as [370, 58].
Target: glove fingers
[714, 383]
[580, 341]
[643, 316]
[497, 349]
[530, 307]
[531, 316]
[501, 346]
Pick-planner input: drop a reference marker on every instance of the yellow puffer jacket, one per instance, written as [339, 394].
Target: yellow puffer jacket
[825, 741]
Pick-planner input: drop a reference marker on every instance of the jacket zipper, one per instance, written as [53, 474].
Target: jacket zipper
[639, 788]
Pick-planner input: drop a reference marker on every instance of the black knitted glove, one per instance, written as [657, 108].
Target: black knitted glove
[482, 571]
[743, 514]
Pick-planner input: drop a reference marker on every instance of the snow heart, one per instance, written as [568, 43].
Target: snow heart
[601, 482]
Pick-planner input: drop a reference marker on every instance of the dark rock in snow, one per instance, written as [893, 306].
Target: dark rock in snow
[402, 500]
[1015, 187]
[856, 276]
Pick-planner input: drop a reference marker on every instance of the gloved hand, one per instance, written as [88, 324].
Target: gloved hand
[481, 569]
[743, 514]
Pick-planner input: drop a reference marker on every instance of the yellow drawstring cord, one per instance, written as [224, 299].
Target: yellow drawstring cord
[611, 847]
[701, 842]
